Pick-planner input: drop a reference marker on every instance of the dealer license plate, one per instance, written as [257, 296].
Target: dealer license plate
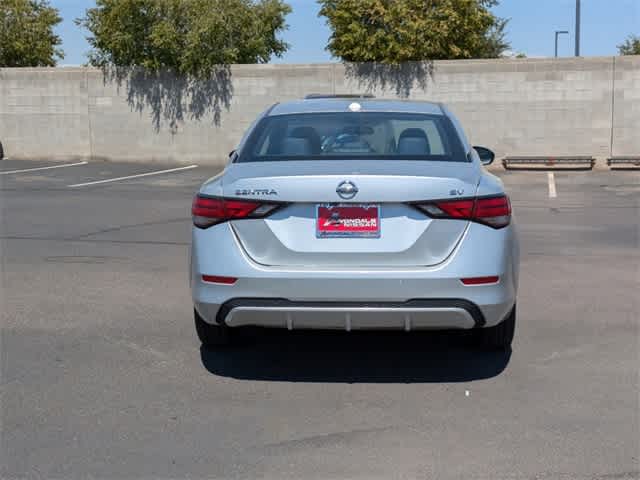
[347, 220]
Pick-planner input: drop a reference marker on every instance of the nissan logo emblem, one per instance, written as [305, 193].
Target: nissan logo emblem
[347, 190]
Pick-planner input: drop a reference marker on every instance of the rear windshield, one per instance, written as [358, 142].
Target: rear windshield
[354, 135]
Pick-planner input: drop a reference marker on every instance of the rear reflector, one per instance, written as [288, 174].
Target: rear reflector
[480, 280]
[493, 211]
[217, 279]
[209, 211]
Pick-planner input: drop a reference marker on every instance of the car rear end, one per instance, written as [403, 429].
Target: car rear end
[364, 219]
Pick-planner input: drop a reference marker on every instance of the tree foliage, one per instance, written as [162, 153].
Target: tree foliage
[631, 46]
[395, 31]
[27, 38]
[186, 36]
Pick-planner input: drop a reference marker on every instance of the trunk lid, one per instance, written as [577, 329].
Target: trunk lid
[407, 237]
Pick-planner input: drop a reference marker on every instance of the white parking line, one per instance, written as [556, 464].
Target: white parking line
[148, 174]
[43, 168]
[552, 185]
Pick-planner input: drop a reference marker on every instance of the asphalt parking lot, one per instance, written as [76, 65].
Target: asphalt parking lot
[102, 375]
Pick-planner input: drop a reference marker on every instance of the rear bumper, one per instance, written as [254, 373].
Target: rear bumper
[424, 314]
[370, 301]
[416, 314]
[381, 298]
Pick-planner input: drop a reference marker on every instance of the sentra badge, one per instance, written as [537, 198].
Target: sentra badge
[258, 191]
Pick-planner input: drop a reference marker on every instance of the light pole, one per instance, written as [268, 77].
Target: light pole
[559, 32]
[577, 28]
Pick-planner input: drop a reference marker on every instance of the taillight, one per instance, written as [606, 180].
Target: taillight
[209, 211]
[492, 211]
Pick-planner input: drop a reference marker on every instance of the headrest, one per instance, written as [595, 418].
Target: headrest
[310, 134]
[413, 141]
[296, 146]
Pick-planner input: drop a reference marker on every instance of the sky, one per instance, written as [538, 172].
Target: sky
[605, 24]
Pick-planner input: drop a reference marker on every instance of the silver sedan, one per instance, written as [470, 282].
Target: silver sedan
[355, 214]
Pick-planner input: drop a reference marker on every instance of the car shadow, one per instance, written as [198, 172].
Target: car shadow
[368, 357]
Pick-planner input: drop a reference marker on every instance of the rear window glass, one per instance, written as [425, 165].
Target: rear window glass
[354, 135]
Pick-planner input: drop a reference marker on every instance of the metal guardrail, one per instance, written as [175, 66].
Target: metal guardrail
[624, 162]
[548, 162]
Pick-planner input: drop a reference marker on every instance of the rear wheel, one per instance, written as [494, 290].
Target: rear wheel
[212, 335]
[500, 336]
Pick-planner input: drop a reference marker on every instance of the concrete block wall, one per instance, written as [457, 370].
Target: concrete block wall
[584, 106]
[532, 106]
[626, 106]
[43, 113]
[120, 131]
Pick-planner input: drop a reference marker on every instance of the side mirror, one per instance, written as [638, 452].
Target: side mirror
[486, 156]
[232, 153]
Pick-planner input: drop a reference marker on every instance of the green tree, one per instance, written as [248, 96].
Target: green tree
[631, 46]
[27, 38]
[189, 37]
[395, 31]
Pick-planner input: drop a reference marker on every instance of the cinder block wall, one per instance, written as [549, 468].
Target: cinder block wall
[43, 113]
[584, 106]
[626, 106]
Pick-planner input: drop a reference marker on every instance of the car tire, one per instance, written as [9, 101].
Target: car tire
[212, 336]
[500, 336]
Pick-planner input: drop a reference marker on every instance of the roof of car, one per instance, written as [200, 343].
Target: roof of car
[342, 104]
